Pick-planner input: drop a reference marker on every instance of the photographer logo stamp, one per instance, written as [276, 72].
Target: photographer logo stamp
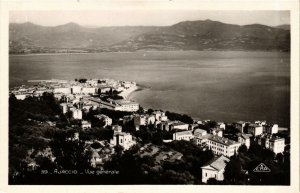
[262, 168]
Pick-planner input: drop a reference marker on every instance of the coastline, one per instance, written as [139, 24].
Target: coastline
[126, 93]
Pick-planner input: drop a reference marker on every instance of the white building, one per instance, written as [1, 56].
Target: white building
[64, 107]
[143, 120]
[104, 89]
[272, 129]
[88, 90]
[199, 132]
[222, 145]
[214, 169]
[244, 139]
[221, 126]
[179, 126]
[126, 105]
[183, 135]
[217, 132]
[277, 145]
[77, 114]
[123, 139]
[76, 89]
[106, 119]
[255, 129]
[62, 90]
[160, 116]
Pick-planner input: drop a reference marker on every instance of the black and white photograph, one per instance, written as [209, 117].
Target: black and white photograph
[149, 97]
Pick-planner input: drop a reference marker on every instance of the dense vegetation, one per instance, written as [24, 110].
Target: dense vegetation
[235, 171]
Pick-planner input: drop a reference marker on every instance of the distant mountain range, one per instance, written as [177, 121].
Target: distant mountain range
[187, 35]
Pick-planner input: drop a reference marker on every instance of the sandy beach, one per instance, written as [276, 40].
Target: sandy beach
[126, 92]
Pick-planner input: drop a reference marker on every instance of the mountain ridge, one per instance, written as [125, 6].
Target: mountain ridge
[185, 35]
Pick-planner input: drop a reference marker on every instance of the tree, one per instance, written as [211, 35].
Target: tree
[150, 111]
[243, 149]
[157, 138]
[82, 80]
[70, 154]
[119, 150]
[232, 172]
[96, 145]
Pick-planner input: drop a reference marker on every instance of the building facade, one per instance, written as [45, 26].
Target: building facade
[183, 135]
[214, 169]
[222, 146]
[123, 139]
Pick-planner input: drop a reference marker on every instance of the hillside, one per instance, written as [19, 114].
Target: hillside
[187, 35]
[286, 27]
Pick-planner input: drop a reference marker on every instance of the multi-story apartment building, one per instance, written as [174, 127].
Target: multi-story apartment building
[222, 146]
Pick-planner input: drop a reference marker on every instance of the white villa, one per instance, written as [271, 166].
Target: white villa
[214, 169]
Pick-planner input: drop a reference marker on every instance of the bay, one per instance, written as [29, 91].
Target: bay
[216, 85]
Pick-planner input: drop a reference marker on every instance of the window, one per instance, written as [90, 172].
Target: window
[205, 174]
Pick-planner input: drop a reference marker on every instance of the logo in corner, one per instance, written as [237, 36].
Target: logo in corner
[261, 168]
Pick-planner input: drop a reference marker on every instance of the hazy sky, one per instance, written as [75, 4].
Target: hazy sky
[147, 17]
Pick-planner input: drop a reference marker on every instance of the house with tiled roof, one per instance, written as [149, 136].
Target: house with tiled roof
[214, 169]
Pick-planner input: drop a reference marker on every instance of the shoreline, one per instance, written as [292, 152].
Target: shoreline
[126, 93]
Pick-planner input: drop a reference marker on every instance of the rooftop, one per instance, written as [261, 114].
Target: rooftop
[123, 102]
[218, 163]
[179, 123]
[222, 140]
[199, 131]
[184, 133]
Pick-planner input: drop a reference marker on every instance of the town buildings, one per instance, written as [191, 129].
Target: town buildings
[160, 116]
[76, 99]
[140, 120]
[275, 144]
